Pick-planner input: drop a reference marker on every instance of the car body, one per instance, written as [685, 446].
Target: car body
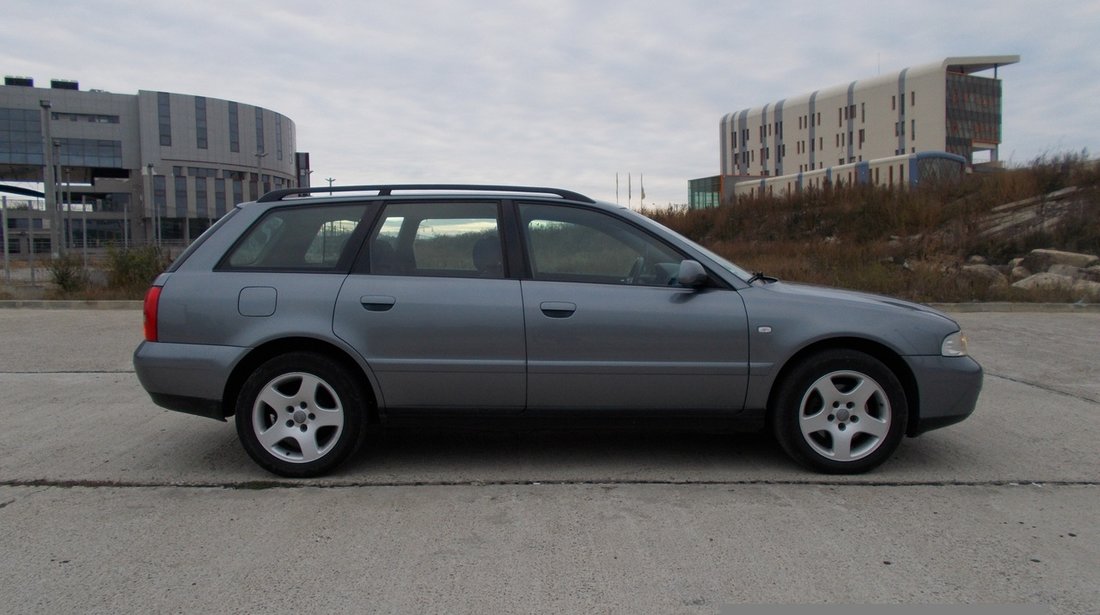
[311, 315]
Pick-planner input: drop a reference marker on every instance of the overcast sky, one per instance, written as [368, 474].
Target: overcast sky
[565, 93]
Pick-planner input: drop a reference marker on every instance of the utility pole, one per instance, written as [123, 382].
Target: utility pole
[330, 180]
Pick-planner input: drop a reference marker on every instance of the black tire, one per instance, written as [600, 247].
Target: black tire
[300, 414]
[840, 412]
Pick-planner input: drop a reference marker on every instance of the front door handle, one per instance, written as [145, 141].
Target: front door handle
[377, 303]
[558, 309]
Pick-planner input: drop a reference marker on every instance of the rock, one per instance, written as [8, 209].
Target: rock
[1045, 281]
[984, 273]
[1067, 270]
[1087, 290]
[1014, 263]
[1019, 273]
[1092, 274]
[977, 260]
[1041, 260]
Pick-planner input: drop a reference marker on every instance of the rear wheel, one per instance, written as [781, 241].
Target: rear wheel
[840, 412]
[300, 414]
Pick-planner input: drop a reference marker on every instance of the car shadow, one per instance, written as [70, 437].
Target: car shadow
[565, 450]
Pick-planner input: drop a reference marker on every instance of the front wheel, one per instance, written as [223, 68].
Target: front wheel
[840, 412]
[300, 415]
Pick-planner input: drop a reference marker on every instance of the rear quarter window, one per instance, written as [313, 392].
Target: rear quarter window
[299, 238]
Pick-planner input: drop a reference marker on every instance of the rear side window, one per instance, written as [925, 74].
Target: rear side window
[438, 239]
[300, 238]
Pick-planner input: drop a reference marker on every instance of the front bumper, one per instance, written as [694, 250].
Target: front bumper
[187, 378]
[949, 388]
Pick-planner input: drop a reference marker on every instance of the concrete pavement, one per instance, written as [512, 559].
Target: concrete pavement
[110, 504]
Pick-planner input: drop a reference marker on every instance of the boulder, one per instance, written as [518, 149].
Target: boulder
[1089, 291]
[983, 273]
[1041, 260]
[1019, 273]
[1092, 274]
[1045, 281]
[977, 259]
[1067, 270]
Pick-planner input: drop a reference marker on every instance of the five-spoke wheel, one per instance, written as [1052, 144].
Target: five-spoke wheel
[840, 411]
[300, 414]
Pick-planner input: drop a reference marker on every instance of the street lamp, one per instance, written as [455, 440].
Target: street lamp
[330, 180]
[49, 181]
[153, 206]
[259, 174]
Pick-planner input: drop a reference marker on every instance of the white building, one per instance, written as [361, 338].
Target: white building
[945, 106]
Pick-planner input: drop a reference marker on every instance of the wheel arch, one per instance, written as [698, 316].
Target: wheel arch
[268, 350]
[879, 351]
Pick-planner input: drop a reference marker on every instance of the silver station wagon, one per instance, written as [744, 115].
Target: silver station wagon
[313, 314]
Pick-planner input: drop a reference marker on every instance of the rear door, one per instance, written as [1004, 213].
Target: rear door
[430, 309]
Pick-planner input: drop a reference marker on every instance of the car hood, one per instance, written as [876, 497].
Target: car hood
[839, 296]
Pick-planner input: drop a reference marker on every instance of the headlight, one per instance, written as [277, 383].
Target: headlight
[954, 345]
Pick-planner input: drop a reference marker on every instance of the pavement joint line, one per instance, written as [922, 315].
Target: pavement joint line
[274, 484]
[67, 371]
[1043, 387]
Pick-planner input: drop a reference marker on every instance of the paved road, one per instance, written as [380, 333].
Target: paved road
[110, 504]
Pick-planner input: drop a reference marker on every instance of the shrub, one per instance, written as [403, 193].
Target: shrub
[68, 273]
[134, 269]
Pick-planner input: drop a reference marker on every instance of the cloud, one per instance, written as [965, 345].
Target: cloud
[564, 93]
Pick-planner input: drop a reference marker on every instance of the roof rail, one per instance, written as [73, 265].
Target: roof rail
[389, 189]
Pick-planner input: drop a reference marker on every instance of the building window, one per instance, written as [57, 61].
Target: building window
[200, 122]
[912, 98]
[181, 196]
[278, 137]
[234, 129]
[164, 118]
[863, 113]
[912, 129]
[894, 103]
[259, 130]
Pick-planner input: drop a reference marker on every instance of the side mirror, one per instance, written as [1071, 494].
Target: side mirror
[691, 274]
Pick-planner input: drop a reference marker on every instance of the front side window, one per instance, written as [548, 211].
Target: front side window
[300, 238]
[438, 239]
[576, 245]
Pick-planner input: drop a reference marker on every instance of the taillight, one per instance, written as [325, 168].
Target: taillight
[152, 301]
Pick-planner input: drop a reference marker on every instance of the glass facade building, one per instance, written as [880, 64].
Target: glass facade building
[164, 165]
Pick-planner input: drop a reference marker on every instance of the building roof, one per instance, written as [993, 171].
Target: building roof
[975, 64]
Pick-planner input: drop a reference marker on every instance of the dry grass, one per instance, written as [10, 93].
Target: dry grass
[904, 243]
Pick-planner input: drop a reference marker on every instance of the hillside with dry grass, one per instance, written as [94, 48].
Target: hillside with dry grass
[918, 244]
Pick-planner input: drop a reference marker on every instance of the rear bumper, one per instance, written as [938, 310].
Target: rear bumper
[949, 388]
[187, 378]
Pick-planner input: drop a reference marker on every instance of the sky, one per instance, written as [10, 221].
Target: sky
[564, 93]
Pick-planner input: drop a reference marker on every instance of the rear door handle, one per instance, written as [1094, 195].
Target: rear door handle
[377, 303]
[558, 309]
